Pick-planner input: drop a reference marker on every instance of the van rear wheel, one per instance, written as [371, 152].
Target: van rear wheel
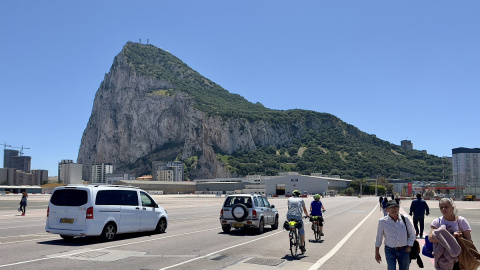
[109, 232]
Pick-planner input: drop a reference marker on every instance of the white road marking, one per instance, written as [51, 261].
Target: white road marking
[334, 250]
[215, 252]
[29, 240]
[25, 235]
[119, 245]
[248, 242]
[5, 228]
[155, 239]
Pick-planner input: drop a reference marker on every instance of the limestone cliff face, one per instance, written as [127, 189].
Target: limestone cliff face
[133, 123]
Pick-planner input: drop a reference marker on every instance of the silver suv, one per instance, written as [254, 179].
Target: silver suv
[248, 211]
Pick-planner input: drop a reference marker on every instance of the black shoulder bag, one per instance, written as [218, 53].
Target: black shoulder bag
[415, 251]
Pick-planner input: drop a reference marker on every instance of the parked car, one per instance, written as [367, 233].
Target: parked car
[469, 197]
[103, 210]
[248, 211]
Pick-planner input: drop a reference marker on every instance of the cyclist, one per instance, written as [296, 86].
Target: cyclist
[316, 208]
[296, 206]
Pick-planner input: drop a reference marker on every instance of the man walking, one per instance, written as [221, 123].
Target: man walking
[418, 208]
[398, 242]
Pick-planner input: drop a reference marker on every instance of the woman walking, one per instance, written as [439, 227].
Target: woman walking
[23, 203]
[445, 230]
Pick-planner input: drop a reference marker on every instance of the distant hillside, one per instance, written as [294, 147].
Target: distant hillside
[152, 106]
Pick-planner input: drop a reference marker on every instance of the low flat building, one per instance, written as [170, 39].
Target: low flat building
[162, 187]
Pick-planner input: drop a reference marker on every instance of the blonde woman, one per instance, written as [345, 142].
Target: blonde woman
[453, 223]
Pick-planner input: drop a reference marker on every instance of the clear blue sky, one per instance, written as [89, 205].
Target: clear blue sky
[396, 69]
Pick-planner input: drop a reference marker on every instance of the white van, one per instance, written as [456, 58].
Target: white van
[103, 210]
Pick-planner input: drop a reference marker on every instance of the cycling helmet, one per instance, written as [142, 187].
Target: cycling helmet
[317, 196]
[296, 192]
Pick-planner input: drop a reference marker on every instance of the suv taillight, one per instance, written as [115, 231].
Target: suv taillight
[221, 213]
[90, 213]
[48, 211]
[254, 214]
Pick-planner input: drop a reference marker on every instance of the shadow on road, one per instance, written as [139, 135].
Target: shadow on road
[246, 231]
[289, 257]
[85, 241]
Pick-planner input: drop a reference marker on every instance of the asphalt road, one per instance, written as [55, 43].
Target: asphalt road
[194, 239]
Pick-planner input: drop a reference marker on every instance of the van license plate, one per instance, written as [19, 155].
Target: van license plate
[66, 220]
[237, 225]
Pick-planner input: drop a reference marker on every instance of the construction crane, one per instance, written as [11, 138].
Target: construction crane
[5, 145]
[21, 150]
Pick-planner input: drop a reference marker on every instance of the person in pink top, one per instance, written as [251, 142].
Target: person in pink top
[453, 223]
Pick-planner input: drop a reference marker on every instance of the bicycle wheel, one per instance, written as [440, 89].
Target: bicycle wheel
[294, 243]
[316, 231]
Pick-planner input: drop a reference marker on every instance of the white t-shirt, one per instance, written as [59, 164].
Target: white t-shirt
[295, 207]
[452, 226]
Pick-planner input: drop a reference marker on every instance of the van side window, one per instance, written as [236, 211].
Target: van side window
[116, 197]
[108, 197]
[130, 198]
[146, 200]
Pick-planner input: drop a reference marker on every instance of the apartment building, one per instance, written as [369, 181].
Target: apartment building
[99, 172]
[167, 171]
[8, 176]
[69, 172]
[7, 157]
[466, 167]
[39, 177]
[23, 179]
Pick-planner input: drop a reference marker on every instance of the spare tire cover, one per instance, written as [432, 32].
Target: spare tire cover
[239, 212]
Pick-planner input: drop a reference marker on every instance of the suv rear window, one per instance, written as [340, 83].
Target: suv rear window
[232, 200]
[69, 197]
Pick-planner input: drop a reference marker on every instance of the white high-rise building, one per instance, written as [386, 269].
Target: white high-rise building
[70, 173]
[99, 172]
[466, 167]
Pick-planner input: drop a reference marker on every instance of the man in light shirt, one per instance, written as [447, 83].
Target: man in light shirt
[398, 242]
[296, 209]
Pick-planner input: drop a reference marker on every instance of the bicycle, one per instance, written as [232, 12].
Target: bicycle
[316, 220]
[293, 237]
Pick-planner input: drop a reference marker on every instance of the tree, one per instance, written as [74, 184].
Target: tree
[349, 191]
[382, 181]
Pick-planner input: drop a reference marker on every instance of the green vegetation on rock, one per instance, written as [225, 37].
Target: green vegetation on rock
[322, 142]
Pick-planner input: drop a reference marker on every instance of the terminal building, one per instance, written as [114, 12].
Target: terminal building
[281, 185]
